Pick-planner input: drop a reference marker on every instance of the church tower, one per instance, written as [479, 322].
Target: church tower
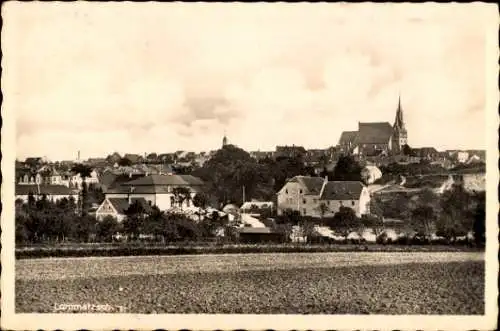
[224, 140]
[399, 133]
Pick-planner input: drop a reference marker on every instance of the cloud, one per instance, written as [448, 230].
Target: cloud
[160, 77]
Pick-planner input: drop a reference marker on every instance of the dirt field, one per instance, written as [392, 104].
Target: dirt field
[325, 283]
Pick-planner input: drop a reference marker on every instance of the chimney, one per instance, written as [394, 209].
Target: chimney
[323, 186]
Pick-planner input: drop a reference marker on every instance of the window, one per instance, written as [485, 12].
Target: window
[300, 191]
[188, 203]
[353, 202]
[328, 202]
[304, 201]
[304, 211]
[286, 191]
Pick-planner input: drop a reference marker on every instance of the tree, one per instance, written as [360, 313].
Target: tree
[85, 172]
[228, 171]
[124, 162]
[407, 150]
[200, 200]
[457, 207]
[134, 222]
[181, 194]
[155, 223]
[84, 228]
[344, 221]
[323, 209]
[479, 214]
[423, 218]
[373, 222]
[347, 168]
[107, 228]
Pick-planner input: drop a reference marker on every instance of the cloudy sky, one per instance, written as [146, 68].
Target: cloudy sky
[104, 77]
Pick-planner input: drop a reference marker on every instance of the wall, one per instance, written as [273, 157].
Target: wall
[290, 199]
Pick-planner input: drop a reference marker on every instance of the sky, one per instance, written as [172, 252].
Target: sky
[160, 77]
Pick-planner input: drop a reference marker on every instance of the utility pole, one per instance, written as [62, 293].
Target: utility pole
[243, 193]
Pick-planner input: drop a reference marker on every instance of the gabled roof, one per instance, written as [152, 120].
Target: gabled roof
[311, 184]
[122, 204]
[342, 190]
[348, 137]
[374, 133]
[44, 189]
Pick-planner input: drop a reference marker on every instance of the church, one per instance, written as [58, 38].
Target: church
[376, 138]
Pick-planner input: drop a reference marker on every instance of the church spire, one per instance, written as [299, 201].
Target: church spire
[399, 122]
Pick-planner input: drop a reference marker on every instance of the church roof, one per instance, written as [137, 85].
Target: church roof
[348, 137]
[374, 133]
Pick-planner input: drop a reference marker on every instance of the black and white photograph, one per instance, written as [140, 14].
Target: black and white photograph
[249, 166]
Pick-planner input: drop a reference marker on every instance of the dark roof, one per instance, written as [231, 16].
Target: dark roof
[160, 180]
[374, 133]
[311, 184]
[342, 190]
[44, 189]
[156, 184]
[348, 137]
[122, 204]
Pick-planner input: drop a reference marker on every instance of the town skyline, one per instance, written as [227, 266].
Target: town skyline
[139, 86]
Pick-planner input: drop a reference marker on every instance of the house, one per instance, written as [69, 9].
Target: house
[429, 153]
[76, 180]
[259, 155]
[116, 207]
[53, 192]
[318, 197]
[289, 151]
[157, 189]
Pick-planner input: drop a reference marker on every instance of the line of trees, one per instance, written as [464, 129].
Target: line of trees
[45, 221]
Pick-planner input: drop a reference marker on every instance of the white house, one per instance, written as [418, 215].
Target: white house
[116, 207]
[317, 197]
[158, 189]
